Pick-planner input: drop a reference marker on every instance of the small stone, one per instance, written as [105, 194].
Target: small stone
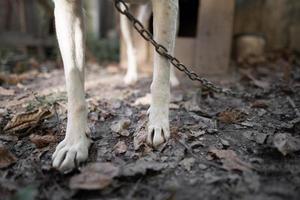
[260, 138]
[212, 131]
[225, 143]
[202, 166]
[121, 127]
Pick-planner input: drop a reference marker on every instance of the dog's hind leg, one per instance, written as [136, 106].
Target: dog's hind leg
[71, 38]
[132, 74]
[165, 19]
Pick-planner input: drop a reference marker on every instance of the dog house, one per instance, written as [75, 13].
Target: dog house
[204, 37]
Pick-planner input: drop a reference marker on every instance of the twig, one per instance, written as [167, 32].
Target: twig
[292, 103]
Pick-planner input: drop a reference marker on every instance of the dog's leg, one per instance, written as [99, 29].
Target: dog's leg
[144, 13]
[173, 78]
[70, 33]
[165, 19]
[144, 16]
[132, 74]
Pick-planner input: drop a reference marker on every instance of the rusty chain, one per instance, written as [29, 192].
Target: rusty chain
[123, 8]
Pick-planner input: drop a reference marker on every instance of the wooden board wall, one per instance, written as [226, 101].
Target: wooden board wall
[214, 37]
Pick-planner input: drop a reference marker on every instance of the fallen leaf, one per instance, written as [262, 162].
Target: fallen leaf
[140, 135]
[95, 176]
[120, 147]
[9, 138]
[192, 105]
[14, 79]
[145, 100]
[27, 120]
[187, 163]
[286, 143]
[141, 167]
[256, 136]
[258, 83]
[6, 92]
[197, 144]
[121, 127]
[41, 141]
[139, 139]
[6, 157]
[230, 160]
[231, 116]
[225, 143]
[3, 112]
[259, 104]
[196, 134]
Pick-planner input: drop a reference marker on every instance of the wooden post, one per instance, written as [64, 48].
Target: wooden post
[214, 36]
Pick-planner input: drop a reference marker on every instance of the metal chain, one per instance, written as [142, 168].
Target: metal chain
[123, 8]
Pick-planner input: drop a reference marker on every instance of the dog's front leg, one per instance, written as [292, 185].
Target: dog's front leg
[70, 33]
[165, 19]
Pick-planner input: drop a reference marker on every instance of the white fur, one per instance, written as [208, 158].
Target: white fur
[70, 34]
[144, 14]
[71, 37]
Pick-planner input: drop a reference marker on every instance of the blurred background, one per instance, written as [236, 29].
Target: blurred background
[214, 37]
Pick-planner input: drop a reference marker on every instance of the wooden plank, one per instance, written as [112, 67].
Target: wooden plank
[214, 36]
[275, 20]
[185, 50]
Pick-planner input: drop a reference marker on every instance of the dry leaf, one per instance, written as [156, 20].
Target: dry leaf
[6, 157]
[27, 120]
[141, 167]
[286, 143]
[145, 100]
[258, 83]
[187, 163]
[121, 127]
[139, 139]
[14, 79]
[230, 160]
[259, 104]
[231, 116]
[120, 147]
[140, 135]
[95, 176]
[41, 141]
[6, 92]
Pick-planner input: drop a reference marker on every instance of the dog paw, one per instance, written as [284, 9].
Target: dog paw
[130, 78]
[70, 152]
[158, 126]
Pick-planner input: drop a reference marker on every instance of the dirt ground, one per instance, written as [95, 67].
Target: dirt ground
[221, 147]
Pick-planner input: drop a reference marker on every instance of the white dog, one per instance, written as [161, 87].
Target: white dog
[143, 15]
[71, 38]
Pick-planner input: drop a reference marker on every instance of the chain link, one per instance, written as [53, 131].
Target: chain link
[123, 8]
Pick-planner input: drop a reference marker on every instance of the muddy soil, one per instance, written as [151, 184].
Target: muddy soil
[221, 147]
